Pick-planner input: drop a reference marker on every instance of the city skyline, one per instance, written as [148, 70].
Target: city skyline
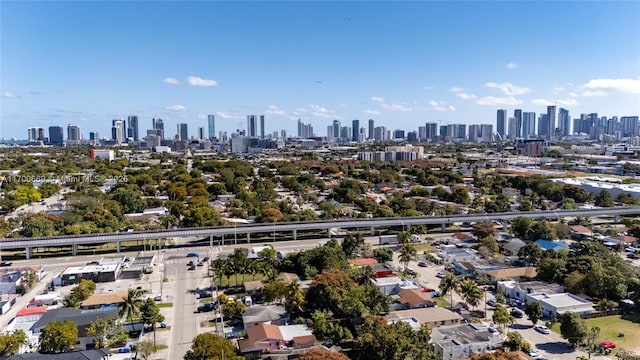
[404, 64]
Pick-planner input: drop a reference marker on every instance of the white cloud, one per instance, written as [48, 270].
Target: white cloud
[570, 84]
[274, 110]
[171, 81]
[466, 96]
[377, 99]
[395, 107]
[544, 102]
[508, 88]
[9, 95]
[196, 81]
[176, 108]
[631, 86]
[372, 112]
[202, 116]
[573, 94]
[594, 93]
[302, 110]
[226, 115]
[456, 89]
[319, 111]
[557, 89]
[438, 105]
[511, 65]
[493, 100]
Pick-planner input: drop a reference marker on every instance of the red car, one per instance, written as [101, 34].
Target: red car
[426, 290]
[608, 345]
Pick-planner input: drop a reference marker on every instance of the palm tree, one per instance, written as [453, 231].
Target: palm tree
[295, 296]
[131, 305]
[228, 270]
[448, 285]
[502, 317]
[470, 292]
[407, 253]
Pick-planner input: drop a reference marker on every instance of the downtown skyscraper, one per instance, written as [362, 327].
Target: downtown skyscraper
[501, 122]
[211, 121]
[252, 125]
[133, 129]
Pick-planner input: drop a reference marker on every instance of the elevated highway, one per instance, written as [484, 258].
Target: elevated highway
[220, 231]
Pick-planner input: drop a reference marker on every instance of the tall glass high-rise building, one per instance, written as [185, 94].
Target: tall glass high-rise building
[262, 126]
[133, 129]
[252, 126]
[355, 130]
[501, 122]
[212, 126]
[56, 135]
[564, 122]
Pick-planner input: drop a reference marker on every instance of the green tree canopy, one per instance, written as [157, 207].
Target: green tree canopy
[209, 346]
[58, 336]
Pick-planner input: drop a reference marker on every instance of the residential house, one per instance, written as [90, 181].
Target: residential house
[462, 237]
[254, 288]
[95, 354]
[463, 340]
[413, 299]
[10, 281]
[512, 247]
[104, 300]
[433, 316]
[82, 318]
[519, 290]
[269, 314]
[579, 232]
[266, 337]
[511, 273]
[30, 314]
[393, 285]
[556, 246]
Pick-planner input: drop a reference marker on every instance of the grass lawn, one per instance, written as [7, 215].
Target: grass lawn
[442, 302]
[236, 279]
[165, 305]
[610, 326]
[421, 248]
[206, 300]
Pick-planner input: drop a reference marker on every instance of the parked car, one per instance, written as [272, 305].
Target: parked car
[478, 314]
[463, 305]
[206, 258]
[192, 268]
[158, 297]
[410, 271]
[5, 264]
[208, 307]
[192, 255]
[422, 263]
[200, 263]
[233, 290]
[440, 274]
[190, 263]
[163, 325]
[492, 302]
[542, 329]
[517, 313]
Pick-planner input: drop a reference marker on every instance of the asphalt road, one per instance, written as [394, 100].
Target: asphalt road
[185, 323]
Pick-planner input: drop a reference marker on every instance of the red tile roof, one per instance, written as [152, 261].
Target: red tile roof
[363, 261]
[28, 311]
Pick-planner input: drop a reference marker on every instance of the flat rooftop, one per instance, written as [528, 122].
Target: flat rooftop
[84, 269]
[561, 300]
[454, 335]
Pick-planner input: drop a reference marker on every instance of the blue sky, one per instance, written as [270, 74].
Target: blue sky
[400, 63]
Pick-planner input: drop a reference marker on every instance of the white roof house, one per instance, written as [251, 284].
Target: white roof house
[461, 341]
[393, 285]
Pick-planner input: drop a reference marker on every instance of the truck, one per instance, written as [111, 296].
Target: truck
[393, 239]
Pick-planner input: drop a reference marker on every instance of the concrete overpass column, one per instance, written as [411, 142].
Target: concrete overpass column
[409, 227]
[616, 219]
[74, 249]
[329, 233]
[505, 225]
[118, 246]
[222, 239]
[295, 234]
[373, 231]
[248, 238]
[210, 240]
[28, 252]
[444, 226]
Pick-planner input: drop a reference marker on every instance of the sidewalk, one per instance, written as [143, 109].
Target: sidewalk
[22, 301]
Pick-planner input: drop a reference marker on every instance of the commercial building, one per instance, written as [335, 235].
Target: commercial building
[501, 122]
[133, 129]
[554, 305]
[102, 154]
[211, 121]
[96, 273]
[118, 131]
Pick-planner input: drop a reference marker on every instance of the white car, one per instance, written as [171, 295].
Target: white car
[534, 354]
[440, 274]
[542, 329]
